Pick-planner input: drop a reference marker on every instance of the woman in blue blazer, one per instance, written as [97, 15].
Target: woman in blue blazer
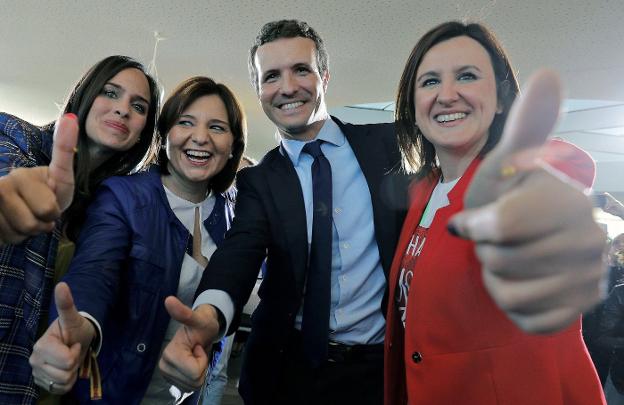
[147, 236]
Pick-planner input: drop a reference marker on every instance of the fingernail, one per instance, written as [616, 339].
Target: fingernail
[452, 229]
[71, 116]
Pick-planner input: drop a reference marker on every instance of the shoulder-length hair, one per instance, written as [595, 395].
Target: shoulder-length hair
[418, 154]
[79, 102]
[182, 97]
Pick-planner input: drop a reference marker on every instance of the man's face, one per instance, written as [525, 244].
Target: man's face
[290, 88]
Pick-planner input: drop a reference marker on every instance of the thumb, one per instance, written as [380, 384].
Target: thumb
[61, 169]
[68, 317]
[181, 313]
[531, 120]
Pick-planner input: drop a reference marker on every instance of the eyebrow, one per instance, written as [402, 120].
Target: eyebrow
[302, 64]
[212, 120]
[137, 96]
[219, 121]
[434, 73]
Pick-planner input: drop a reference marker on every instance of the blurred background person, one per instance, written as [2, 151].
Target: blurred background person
[610, 339]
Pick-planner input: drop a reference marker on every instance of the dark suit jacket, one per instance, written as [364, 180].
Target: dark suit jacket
[270, 221]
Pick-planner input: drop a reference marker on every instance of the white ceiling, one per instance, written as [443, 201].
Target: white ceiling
[46, 45]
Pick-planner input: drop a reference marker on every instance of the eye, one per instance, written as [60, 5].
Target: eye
[140, 108]
[467, 77]
[270, 77]
[219, 128]
[302, 70]
[432, 81]
[110, 93]
[185, 123]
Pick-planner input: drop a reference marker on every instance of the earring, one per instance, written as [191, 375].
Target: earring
[231, 156]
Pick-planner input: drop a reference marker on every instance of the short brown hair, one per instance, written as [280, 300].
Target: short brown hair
[274, 30]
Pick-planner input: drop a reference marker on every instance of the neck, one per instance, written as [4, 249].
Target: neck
[98, 155]
[307, 133]
[454, 163]
[194, 192]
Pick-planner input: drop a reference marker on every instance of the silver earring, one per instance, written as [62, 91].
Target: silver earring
[231, 156]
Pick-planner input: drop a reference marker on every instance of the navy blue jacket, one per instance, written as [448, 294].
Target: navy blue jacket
[271, 222]
[128, 260]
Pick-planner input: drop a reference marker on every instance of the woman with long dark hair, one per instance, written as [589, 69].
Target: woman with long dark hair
[112, 112]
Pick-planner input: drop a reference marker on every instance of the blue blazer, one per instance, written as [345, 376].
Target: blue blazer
[128, 260]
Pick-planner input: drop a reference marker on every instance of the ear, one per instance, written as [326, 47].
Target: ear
[503, 92]
[325, 79]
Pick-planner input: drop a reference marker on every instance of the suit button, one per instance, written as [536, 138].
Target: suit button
[416, 357]
[140, 347]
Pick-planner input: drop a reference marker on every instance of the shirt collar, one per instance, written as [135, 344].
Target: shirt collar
[178, 203]
[330, 132]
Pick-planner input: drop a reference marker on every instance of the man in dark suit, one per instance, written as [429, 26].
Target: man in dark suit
[338, 268]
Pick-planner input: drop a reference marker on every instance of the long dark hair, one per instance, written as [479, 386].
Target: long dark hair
[183, 96]
[79, 102]
[418, 154]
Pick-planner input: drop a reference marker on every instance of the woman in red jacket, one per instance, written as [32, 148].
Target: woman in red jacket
[465, 292]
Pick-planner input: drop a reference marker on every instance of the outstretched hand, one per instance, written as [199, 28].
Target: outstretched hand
[184, 361]
[32, 198]
[58, 354]
[535, 236]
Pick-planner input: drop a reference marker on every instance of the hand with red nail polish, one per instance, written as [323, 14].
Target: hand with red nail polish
[32, 198]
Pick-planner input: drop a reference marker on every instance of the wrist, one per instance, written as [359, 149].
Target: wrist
[212, 318]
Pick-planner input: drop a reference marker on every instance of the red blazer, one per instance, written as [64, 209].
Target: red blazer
[459, 347]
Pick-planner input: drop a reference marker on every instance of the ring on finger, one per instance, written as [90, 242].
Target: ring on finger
[51, 386]
[508, 171]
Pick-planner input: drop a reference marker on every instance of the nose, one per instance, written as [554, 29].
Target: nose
[122, 108]
[201, 136]
[448, 93]
[288, 84]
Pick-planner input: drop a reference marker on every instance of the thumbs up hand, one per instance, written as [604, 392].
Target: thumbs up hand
[58, 354]
[540, 249]
[32, 198]
[185, 360]
[61, 169]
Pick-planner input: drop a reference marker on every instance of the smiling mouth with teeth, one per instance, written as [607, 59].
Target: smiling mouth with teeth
[197, 155]
[291, 106]
[450, 117]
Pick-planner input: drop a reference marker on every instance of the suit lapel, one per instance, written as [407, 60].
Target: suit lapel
[285, 190]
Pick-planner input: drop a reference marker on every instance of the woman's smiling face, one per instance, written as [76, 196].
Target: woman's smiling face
[455, 95]
[200, 142]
